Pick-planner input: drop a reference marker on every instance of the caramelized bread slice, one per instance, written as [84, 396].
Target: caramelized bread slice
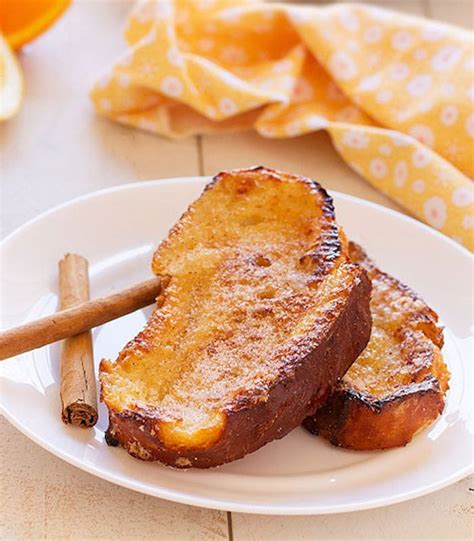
[261, 315]
[398, 384]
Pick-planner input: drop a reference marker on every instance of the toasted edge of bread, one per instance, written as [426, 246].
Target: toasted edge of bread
[310, 372]
[360, 420]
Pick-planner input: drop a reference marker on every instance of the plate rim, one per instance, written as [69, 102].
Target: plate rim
[220, 503]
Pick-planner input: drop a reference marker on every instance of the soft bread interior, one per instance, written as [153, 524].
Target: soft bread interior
[404, 346]
[243, 292]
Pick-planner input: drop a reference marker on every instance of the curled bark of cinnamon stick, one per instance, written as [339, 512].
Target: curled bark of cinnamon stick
[78, 386]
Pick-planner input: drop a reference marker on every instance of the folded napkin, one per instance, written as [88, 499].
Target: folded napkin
[394, 92]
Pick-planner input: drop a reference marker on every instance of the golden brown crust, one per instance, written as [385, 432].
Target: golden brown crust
[397, 385]
[252, 423]
[257, 375]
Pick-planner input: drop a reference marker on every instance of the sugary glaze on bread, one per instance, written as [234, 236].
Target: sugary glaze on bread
[258, 286]
[397, 385]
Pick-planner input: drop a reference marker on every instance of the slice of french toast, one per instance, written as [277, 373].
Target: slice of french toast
[398, 384]
[261, 314]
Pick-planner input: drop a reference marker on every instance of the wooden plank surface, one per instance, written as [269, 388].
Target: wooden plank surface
[42, 497]
[56, 148]
[444, 515]
[460, 12]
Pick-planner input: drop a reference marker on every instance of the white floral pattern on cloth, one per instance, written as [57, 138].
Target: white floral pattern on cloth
[394, 92]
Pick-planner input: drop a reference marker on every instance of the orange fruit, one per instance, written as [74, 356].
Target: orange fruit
[11, 82]
[23, 20]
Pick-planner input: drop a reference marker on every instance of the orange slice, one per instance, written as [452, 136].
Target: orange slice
[11, 81]
[23, 20]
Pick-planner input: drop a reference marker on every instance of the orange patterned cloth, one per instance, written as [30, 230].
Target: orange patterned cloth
[395, 92]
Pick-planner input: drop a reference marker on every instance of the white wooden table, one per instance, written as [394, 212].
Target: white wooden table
[57, 149]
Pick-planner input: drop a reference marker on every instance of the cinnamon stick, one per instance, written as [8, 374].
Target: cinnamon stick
[79, 319]
[78, 387]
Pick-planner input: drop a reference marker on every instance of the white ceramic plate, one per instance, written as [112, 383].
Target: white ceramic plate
[117, 230]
